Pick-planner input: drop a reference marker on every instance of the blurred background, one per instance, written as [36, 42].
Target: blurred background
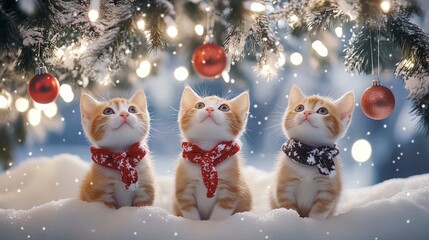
[371, 151]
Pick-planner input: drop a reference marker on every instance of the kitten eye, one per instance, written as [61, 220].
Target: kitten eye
[199, 105]
[322, 111]
[108, 111]
[224, 108]
[299, 108]
[132, 109]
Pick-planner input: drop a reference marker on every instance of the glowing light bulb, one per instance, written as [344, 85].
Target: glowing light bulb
[225, 76]
[5, 99]
[181, 73]
[199, 29]
[93, 15]
[320, 48]
[257, 7]
[34, 117]
[144, 69]
[385, 6]
[339, 31]
[361, 150]
[51, 110]
[296, 58]
[66, 93]
[94, 7]
[281, 60]
[22, 104]
[172, 31]
[141, 24]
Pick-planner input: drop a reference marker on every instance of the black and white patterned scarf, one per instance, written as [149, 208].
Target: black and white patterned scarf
[322, 157]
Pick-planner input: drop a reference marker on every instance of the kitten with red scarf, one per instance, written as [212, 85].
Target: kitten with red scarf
[308, 175]
[121, 173]
[209, 181]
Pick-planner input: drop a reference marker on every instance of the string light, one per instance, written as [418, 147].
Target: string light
[94, 8]
[385, 6]
[257, 7]
[5, 99]
[34, 117]
[51, 110]
[22, 104]
[172, 31]
[199, 29]
[296, 58]
[339, 31]
[320, 48]
[181, 73]
[144, 69]
[66, 93]
[225, 76]
[141, 24]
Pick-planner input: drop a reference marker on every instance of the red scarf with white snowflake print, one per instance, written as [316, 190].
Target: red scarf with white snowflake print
[208, 160]
[124, 162]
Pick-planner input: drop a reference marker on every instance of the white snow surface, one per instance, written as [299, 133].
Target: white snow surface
[39, 200]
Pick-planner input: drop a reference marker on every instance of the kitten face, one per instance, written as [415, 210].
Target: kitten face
[317, 120]
[116, 124]
[212, 118]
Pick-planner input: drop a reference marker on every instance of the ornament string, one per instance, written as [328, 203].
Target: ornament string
[210, 22]
[378, 54]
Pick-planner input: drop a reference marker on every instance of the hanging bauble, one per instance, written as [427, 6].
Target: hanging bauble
[43, 87]
[209, 60]
[377, 101]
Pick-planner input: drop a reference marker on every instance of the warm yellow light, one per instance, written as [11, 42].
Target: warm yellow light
[296, 58]
[51, 110]
[34, 117]
[93, 15]
[181, 73]
[339, 31]
[320, 48]
[66, 93]
[385, 6]
[257, 7]
[199, 29]
[172, 31]
[141, 24]
[5, 99]
[144, 69]
[22, 104]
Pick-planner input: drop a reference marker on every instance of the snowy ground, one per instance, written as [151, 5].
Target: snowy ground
[38, 200]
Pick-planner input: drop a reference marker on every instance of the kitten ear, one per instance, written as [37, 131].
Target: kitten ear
[345, 106]
[189, 97]
[295, 96]
[139, 98]
[87, 105]
[241, 103]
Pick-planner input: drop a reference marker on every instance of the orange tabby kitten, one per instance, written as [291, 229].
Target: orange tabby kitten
[121, 173]
[308, 176]
[209, 180]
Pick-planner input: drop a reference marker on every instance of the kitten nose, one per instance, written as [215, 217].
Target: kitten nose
[307, 113]
[124, 115]
[209, 109]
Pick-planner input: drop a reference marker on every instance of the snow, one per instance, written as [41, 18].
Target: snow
[46, 207]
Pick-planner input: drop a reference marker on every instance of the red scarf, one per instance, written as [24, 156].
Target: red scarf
[208, 160]
[124, 162]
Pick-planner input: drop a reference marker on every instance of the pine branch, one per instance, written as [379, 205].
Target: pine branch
[325, 15]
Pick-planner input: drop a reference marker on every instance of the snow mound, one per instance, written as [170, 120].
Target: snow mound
[38, 200]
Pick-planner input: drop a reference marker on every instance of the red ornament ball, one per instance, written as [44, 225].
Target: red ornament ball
[209, 60]
[377, 102]
[43, 87]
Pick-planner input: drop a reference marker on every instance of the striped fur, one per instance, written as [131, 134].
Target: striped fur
[301, 187]
[232, 194]
[109, 131]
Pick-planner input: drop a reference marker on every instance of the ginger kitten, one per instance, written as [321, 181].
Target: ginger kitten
[209, 181]
[308, 175]
[121, 173]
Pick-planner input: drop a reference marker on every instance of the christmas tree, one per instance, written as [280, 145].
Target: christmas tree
[88, 44]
